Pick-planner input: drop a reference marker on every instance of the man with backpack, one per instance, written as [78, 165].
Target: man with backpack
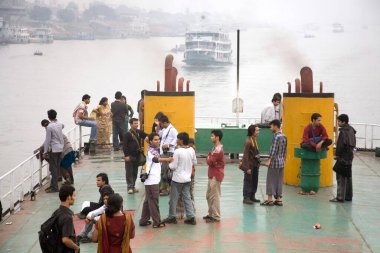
[57, 233]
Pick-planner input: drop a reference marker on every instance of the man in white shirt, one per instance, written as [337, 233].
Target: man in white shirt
[273, 111]
[168, 136]
[151, 181]
[81, 117]
[182, 165]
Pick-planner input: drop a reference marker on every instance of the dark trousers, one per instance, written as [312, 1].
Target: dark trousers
[150, 206]
[131, 171]
[325, 144]
[250, 184]
[344, 187]
[93, 206]
[118, 128]
[54, 167]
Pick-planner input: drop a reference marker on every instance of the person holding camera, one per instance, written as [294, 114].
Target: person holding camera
[151, 179]
[250, 166]
[132, 146]
[168, 136]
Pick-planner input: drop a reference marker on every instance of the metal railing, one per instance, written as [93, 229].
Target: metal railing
[30, 175]
[367, 136]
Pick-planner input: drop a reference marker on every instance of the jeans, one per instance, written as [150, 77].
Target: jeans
[178, 189]
[94, 129]
[118, 128]
[250, 183]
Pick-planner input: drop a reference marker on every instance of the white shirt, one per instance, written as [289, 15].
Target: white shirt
[155, 170]
[81, 108]
[182, 165]
[270, 113]
[168, 136]
[95, 215]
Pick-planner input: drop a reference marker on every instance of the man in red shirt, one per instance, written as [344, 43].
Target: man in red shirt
[215, 162]
[315, 137]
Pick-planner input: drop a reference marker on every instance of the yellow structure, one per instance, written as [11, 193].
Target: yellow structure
[178, 106]
[298, 108]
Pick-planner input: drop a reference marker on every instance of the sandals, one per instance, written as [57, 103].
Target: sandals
[277, 203]
[147, 223]
[267, 203]
[159, 225]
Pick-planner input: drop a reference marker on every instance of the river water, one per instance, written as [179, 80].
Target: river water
[348, 63]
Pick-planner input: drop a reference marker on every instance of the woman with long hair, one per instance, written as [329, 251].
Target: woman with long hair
[115, 228]
[103, 121]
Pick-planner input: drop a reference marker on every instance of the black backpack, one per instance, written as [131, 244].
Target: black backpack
[49, 235]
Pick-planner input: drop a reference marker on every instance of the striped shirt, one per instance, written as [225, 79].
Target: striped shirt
[277, 151]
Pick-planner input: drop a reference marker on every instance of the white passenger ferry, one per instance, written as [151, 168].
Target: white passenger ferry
[207, 48]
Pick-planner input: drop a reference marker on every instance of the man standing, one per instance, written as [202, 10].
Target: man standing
[168, 135]
[53, 147]
[119, 112]
[315, 137]
[65, 220]
[81, 117]
[132, 146]
[276, 164]
[250, 166]
[273, 111]
[182, 165]
[344, 155]
[215, 162]
[104, 188]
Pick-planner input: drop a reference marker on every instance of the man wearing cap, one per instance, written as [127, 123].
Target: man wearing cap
[273, 111]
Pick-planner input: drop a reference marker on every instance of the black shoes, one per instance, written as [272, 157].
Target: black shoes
[255, 200]
[191, 221]
[336, 200]
[169, 220]
[247, 201]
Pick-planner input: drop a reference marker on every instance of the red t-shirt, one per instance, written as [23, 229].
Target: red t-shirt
[215, 162]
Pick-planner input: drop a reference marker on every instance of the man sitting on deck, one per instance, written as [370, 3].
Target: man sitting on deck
[104, 187]
[315, 137]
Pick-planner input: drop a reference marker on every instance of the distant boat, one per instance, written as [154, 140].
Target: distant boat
[207, 48]
[308, 35]
[178, 48]
[338, 28]
[41, 35]
[38, 53]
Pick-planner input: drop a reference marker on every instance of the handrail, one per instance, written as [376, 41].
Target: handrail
[368, 135]
[20, 181]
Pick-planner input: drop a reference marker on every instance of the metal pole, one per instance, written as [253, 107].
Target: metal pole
[237, 78]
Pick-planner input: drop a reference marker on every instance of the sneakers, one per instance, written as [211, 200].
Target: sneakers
[135, 190]
[212, 220]
[169, 220]
[190, 221]
[130, 191]
[247, 201]
[207, 217]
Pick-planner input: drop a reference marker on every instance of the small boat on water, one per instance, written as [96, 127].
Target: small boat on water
[38, 53]
[207, 48]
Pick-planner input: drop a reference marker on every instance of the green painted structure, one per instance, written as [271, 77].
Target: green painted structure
[310, 168]
[233, 140]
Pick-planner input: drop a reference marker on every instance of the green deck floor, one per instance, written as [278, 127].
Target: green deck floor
[348, 227]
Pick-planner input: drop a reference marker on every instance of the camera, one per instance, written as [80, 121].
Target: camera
[165, 150]
[258, 158]
[143, 177]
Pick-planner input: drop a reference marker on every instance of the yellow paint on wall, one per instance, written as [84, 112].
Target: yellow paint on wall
[297, 114]
[179, 107]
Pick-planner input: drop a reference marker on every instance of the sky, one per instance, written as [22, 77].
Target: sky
[266, 11]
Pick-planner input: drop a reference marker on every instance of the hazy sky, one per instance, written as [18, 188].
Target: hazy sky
[268, 11]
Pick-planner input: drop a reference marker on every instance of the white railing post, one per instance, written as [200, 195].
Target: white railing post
[371, 137]
[11, 204]
[40, 172]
